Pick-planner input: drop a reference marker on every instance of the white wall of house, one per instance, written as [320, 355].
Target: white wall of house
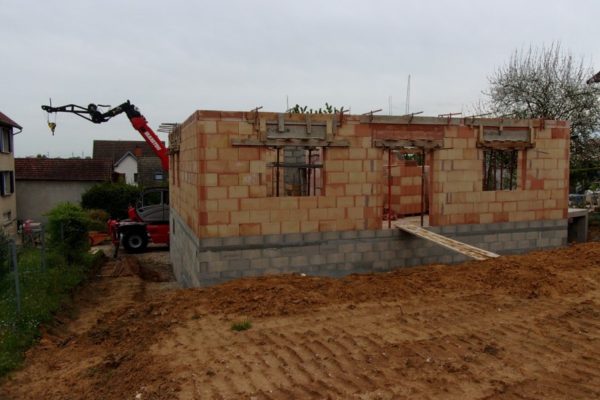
[36, 198]
[127, 166]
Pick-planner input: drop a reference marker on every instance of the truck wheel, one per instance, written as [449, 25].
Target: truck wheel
[135, 242]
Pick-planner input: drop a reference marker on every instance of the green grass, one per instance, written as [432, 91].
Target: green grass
[241, 326]
[42, 294]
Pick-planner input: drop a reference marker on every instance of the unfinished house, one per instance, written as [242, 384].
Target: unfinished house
[256, 193]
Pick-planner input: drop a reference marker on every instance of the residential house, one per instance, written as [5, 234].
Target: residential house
[150, 172]
[8, 202]
[130, 158]
[42, 183]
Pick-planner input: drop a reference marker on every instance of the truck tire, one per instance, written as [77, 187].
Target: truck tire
[135, 242]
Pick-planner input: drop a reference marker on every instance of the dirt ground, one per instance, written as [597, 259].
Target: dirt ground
[514, 327]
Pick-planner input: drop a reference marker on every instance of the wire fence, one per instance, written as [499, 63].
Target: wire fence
[22, 267]
[34, 280]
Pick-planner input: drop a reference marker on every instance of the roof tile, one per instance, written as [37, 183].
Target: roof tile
[63, 169]
[4, 120]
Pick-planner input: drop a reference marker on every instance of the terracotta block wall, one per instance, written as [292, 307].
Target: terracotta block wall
[228, 192]
[223, 190]
[542, 180]
[406, 187]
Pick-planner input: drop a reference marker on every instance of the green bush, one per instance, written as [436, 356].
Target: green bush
[68, 228]
[114, 198]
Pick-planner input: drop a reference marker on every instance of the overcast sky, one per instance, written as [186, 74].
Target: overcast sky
[173, 57]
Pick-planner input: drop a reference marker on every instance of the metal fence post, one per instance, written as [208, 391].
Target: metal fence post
[43, 250]
[13, 250]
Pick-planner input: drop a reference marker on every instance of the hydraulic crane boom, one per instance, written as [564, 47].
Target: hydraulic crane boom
[93, 114]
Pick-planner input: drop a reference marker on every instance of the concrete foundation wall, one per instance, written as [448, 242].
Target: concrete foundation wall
[209, 261]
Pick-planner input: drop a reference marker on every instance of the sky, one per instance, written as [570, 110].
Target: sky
[173, 57]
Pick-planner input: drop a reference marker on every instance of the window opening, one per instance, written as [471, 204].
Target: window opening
[500, 169]
[5, 140]
[7, 186]
[296, 171]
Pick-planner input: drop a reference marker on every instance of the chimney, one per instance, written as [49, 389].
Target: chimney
[137, 151]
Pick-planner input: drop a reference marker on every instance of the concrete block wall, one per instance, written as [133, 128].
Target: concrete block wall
[209, 261]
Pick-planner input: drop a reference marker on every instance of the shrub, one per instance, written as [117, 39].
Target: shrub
[68, 227]
[114, 198]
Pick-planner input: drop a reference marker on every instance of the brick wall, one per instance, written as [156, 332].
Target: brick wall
[227, 223]
[406, 187]
[542, 180]
[224, 190]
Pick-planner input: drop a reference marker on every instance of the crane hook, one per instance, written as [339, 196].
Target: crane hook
[52, 126]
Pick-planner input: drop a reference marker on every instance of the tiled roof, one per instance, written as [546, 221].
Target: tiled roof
[63, 169]
[114, 150]
[4, 120]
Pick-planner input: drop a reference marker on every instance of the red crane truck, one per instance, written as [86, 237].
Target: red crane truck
[149, 219]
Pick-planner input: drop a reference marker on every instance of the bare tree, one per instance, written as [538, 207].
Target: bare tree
[550, 83]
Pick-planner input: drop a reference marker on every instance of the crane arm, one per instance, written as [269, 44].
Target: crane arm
[138, 121]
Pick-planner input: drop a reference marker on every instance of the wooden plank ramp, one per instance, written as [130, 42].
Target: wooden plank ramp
[460, 247]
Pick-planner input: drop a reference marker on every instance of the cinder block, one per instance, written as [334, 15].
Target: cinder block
[335, 258]
[293, 238]
[238, 264]
[353, 257]
[346, 247]
[364, 246]
[254, 240]
[298, 261]
[366, 234]
[280, 262]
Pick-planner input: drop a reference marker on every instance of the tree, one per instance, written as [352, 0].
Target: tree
[114, 198]
[550, 83]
